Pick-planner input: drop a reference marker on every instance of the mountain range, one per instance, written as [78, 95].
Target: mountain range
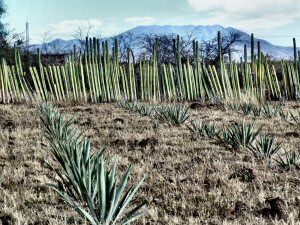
[200, 33]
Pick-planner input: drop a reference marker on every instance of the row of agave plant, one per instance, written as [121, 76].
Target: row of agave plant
[173, 114]
[178, 114]
[97, 75]
[247, 137]
[86, 180]
[235, 137]
[267, 111]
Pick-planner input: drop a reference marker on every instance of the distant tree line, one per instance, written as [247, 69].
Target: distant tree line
[142, 45]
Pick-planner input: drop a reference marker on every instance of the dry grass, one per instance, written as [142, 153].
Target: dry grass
[190, 180]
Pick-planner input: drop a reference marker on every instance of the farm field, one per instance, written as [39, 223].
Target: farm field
[191, 179]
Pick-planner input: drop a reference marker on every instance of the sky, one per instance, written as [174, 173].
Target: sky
[276, 21]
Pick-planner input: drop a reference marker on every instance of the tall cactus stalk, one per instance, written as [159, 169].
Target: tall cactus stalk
[97, 75]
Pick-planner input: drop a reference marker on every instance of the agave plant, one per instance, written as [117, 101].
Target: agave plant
[285, 116]
[295, 117]
[72, 152]
[203, 128]
[233, 107]
[218, 101]
[265, 147]
[110, 205]
[86, 182]
[176, 114]
[247, 108]
[239, 135]
[268, 111]
[144, 110]
[256, 111]
[131, 106]
[289, 160]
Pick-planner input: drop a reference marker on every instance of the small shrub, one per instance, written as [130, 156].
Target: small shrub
[243, 174]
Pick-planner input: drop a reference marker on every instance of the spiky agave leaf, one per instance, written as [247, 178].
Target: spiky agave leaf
[295, 117]
[73, 153]
[113, 202]
[86, 181]
[247, 108]
[131, 106]
[233, 107]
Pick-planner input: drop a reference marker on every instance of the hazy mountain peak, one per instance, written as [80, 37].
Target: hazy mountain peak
[200, 32]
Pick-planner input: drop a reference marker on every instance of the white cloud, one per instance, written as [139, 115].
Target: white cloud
[147, 20]
[244, 6]
[67, 28]
[255, 15]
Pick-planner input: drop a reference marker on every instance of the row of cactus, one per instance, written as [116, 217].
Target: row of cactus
[96, 75]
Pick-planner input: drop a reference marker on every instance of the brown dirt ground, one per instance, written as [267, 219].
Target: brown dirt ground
[190, 180]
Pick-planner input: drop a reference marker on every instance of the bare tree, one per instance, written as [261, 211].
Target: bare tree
[81, 33]
[144, 43]
[165, 43]
[45, 41]
[126, 41]
[15, 39]
[209, 49]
